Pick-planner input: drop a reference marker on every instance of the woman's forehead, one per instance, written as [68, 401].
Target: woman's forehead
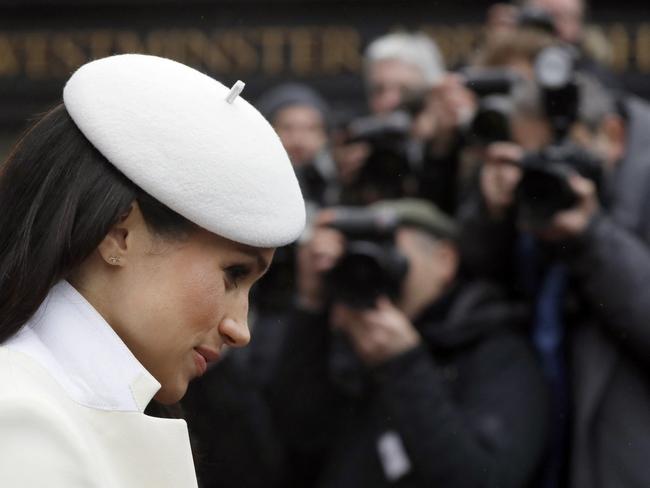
[262, 255]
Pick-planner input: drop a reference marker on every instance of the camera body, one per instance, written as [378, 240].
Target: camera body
[491, 122]
[536, 18]
[386, 171]
[371, 265]
[544, 188]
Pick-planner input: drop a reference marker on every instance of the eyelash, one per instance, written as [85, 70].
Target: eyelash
[236, 273]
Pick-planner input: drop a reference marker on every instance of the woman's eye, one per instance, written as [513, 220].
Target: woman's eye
[236, 273]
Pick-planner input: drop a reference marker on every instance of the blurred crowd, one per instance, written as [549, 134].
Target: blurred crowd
[467, 307]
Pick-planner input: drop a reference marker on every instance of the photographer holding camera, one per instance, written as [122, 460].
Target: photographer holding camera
[567, 21]
[573, 237]
[302, 118]
[409, 144]
[398, 372]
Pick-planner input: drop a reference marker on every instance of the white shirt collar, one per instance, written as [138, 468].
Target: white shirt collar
[70, 339]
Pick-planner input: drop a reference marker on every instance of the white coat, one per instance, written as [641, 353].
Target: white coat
[72, 398]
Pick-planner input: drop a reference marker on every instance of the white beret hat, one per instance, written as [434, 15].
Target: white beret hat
[178, 135]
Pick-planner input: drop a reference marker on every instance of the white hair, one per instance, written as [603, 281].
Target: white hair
[414, 49]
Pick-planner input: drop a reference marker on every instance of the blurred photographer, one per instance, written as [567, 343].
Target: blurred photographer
[397, 65]
[398, 372]
[573, 237]
[566, 20]
[408, 145]
[302, 119]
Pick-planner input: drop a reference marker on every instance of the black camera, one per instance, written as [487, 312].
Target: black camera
[491, 122]
[371, 265]
[390, 169]
[544, 189]
[489, 81]
[380, 130]
[536, 18]
[390, 161]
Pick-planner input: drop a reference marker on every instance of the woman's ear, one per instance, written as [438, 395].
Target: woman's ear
[117, 245]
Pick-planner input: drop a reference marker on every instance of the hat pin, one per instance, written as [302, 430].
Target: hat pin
[235, 91]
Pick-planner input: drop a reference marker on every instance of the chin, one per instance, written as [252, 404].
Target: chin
[170, 395]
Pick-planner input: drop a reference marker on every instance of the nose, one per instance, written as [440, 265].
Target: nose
[234, 326]
[235, 333]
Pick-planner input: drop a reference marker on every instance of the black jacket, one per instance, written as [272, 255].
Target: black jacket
[609, 326]
[465, 409]
[234, 440]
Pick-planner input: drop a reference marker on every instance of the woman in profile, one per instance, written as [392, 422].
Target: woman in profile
[135, 218]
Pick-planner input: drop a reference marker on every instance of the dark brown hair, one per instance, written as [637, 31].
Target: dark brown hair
[59, 198]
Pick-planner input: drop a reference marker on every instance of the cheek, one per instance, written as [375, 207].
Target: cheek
[197, 295]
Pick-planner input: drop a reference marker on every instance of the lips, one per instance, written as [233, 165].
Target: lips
[202, 357]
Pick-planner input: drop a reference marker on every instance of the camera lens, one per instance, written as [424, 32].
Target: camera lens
[367, 271]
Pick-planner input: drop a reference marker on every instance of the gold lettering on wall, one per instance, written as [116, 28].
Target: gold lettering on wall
[155, 42]
[643, 48]
[128, 42]
[9, 64]
[198, 47]
[620, 46]
[100, 43]
[67, 52]
[201, 49]
[36, 55]
[456, 43]
[272, 46]
[341, 51]
[243, 53]
[302, 46]
[307, 51]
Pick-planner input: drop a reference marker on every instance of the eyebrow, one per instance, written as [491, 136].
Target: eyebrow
[262, 264]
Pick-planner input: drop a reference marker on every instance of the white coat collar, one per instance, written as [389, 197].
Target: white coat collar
[70, 339]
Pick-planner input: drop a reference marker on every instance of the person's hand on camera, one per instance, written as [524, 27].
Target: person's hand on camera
[574, 221]
[349, 157]
[315, 258]
[455, 102]
[377, 334]
[500, 175]
[448, 106]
